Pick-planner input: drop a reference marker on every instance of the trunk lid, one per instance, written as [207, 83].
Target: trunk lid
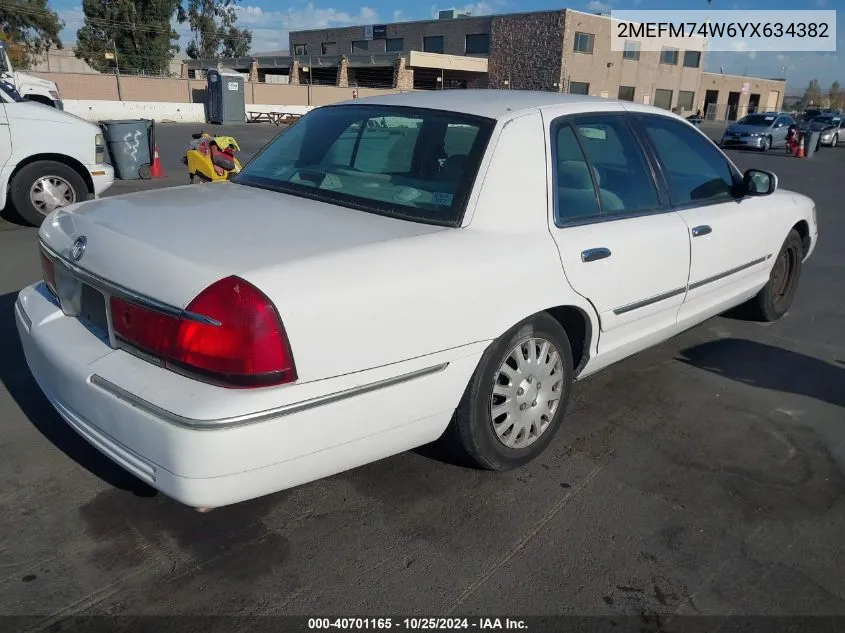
[170, 244]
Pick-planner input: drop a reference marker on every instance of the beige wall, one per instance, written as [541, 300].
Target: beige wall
[646, 74]
[162, 89]
[771, 91]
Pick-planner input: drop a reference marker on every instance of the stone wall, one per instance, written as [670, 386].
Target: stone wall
[526, 51]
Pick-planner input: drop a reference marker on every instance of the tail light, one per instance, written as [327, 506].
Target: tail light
[48, 273]
[229, 334]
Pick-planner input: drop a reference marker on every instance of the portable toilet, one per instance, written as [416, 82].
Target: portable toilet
[226, 102]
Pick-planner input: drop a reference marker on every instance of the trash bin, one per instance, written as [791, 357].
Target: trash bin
[811, 141]
[129, 144]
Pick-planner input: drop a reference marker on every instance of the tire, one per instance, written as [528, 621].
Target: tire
[834, 141]
[767, 144]
[773, 301]
[62, 178]
[472, 428]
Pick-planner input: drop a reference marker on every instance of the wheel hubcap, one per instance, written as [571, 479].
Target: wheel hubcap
[50, 193]
[526, 392]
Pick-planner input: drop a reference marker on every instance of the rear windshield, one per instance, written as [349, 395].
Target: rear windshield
[758, 119]
[414, 164]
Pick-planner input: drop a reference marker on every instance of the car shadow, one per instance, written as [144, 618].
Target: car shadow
[10, 215]
[18, 381]
[770, 367]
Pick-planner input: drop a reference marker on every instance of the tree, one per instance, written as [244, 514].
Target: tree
[138, 30]
[813, 93]
[29, 28]
[835, 95]
[213, 23]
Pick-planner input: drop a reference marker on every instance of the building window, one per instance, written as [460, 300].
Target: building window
[663, 99]
[692, 59]
[669, 56]
[360, 46]
[394, 45]
[579, 88]
[583, 42]
[685, 99]
[477, 44]
[433, 44]
[632, 50]
[328, 48]
[626, 93]
[300, 49]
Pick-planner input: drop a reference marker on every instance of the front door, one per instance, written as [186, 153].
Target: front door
[729, 251]
[619, 248]
[5, 137]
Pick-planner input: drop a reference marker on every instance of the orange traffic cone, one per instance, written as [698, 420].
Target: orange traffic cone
[156, 170]
[801, 146]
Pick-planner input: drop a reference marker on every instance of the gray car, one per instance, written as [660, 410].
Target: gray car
[829, 126]
[758, 131]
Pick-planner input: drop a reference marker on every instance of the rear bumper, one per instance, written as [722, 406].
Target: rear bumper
[211, 463]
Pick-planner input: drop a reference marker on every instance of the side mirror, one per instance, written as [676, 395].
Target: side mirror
[756, 182]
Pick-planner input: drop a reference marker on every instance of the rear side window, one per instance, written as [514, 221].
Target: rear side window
[695, 169]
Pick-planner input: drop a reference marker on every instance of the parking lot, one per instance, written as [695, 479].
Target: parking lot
[702, 477]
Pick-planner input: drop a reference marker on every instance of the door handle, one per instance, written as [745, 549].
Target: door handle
[698, 231]
[594, 254]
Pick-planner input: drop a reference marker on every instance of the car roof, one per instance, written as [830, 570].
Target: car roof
[491, 104]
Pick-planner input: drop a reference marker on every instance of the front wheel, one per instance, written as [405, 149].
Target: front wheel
[44, 186]
[772, 302]
[767, 143]
[517, 396]
[834, 141]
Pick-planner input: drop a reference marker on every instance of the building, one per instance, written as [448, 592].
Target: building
[561, 50]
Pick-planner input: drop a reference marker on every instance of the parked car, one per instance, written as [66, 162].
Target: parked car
[48, 158]
[829, 127]
[811, 113]
[758, 131]
[357, 291]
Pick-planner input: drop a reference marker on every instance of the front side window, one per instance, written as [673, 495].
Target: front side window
[695, 169]
[413, 164]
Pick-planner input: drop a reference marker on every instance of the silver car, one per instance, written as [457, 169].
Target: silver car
[830, 127]
[758, 131]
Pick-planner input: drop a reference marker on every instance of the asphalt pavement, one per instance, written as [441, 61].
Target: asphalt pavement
[701, 477]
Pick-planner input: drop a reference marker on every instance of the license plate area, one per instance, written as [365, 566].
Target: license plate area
[82, 301]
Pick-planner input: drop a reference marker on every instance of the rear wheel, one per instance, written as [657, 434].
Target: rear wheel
[44, 186]
[772, 302]
[517, 396]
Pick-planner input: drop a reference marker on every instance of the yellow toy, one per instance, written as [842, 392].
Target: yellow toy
[212, 158]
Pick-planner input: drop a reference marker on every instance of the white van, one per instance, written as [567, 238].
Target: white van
[48, 158]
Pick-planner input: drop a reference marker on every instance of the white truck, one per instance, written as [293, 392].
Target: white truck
[48, 158]
[30, 87]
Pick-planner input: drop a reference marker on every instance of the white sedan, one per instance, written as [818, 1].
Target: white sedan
[391, 270]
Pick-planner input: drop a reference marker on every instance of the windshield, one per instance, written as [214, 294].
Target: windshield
[764, 120]
[8, 93]
[414, 164]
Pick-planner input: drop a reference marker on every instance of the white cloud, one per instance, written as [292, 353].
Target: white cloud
[597, 5]
[397, 15]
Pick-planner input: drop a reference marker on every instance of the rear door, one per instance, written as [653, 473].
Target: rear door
[728, 236]
[620, 246]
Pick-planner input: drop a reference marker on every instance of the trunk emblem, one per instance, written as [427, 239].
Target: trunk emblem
[79, 248]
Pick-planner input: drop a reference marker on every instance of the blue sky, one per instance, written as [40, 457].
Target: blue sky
[271, 20]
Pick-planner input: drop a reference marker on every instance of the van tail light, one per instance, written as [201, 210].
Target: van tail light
[230, 334]
[48, 272]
